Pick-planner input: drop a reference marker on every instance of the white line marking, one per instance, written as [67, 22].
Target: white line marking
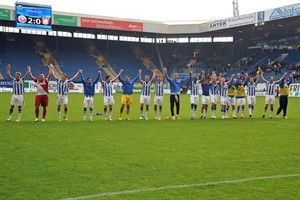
[109, 194]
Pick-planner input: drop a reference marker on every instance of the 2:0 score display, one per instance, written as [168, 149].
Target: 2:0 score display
[33, 16]
[32, 20]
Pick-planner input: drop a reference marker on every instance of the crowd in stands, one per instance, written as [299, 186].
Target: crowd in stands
[71, 54]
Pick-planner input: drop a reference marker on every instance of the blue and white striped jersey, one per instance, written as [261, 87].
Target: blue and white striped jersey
[251, 89]
[18, 86]
[146, 88]
[195, 88]
[223, 89]
[107, 88]
[270, 88]
[63, 87]
[213, 88]
[159, 88]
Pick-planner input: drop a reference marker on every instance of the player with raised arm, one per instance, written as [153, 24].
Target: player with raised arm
[175, 85]
[127, 94]
[17, 98]
[205, 85]
[41, 98]
[251, 98]
[223, 87]
[62, 92]
[270, 92]
[194, 96]
[284, 93]
[159, 95]
[108, 94]
[89, 92]
[145, 94]
[241, 95]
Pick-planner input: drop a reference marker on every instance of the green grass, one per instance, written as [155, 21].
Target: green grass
[57, 160]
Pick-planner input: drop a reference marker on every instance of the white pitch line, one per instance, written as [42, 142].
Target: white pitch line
[109, 194]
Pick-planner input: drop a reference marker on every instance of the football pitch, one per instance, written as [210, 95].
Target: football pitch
[138, 159]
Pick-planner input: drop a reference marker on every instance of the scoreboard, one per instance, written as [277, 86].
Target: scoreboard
[33, 16]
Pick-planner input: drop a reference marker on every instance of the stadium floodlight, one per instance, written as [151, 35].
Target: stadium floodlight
[235, 6]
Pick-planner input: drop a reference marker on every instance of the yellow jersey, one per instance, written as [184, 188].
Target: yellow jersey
[231, 91]
[285, 90]
[240, 91]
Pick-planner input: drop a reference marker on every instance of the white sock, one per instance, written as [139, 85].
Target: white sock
[19, 115]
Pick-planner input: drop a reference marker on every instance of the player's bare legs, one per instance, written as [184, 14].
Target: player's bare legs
[238, 110]
[121, 111]
[19, 113]
[226, 111]
[251, 109]
[147, 111]
[223, 108]
[193, 111]
[37, 112]
[105, 112]
[11, 110]
[110, 112]
[84, 114]
[233, 111]
[142, 111]
[204, 111]
[213, 110]
[91, 114]
[59, 112]
[243, 111]
[44, 112]
[156, 112]
[271, 110]
[266, 108]
[127, 111]
[160, 111]
[65, 112]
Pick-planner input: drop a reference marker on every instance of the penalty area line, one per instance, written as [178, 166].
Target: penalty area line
[170, 187]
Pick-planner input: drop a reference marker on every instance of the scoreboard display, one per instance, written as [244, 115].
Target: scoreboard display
[33, 16]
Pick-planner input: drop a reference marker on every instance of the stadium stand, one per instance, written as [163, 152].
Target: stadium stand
[18, 50]
[71, 54]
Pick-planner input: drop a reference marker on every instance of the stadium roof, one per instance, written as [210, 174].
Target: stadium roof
[183, 27]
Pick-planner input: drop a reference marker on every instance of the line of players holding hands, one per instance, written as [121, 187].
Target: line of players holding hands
[231, 93]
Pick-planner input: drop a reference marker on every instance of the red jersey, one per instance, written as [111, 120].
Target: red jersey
[42, 86]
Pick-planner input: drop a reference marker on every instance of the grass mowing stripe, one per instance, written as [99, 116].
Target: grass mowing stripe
[109, 194]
